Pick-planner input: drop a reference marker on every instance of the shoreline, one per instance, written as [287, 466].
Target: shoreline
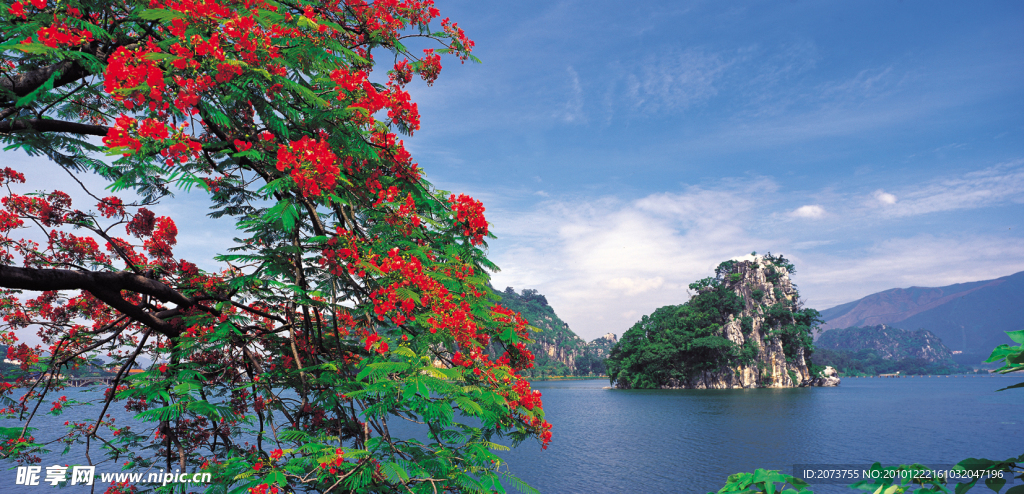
[566, 378]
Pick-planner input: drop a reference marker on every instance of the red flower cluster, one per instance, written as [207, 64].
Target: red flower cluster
[311, 163]
[389, 16]
[50, 210]
[159, 233]
[460, 43]
[120, 135]
[263, 489]
[470, 213]
[133, 78]
[111, 206]
[174, 147]
[371, 341]
[61, 34]
[18, 8]
[59, 404]
[23, 353]
[7, 175]
[141, 225]
[355, 89]
[430, 66]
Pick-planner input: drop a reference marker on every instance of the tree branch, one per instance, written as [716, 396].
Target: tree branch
[23, 84]
[47, 125]
[105, 286]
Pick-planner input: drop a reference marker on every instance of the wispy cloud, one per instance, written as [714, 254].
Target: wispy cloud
[573, 109]
[676, 80]
[828, 279]
[995, 184]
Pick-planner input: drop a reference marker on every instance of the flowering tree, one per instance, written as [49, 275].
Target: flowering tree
[355, 296]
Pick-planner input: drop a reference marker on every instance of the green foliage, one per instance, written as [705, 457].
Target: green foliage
[354, 292]
[764, 482]
[678, 342]
[1011, 356]
[781, 262]
[725, 268]
[890, 342]
[746, 325]
[551, 332]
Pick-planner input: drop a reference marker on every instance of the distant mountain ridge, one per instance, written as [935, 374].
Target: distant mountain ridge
[879, 349]
[969, 317]
[887, 342]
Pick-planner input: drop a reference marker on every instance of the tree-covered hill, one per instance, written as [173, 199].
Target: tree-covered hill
[558, 350]
[883, 349]
[888, 342]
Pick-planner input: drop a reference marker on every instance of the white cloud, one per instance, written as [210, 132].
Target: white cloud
[828, 279]
[633, 286]
[604, 260]
[809, 211]
[884, 197]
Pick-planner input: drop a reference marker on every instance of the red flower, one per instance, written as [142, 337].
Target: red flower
[17, 9]
[470, 213]
[110, 207]
[141, 224]
[311, 163]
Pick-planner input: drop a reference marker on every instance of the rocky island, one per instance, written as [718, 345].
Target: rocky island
[744, 328]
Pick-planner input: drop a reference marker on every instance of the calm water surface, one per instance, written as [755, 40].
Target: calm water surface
[689, 440]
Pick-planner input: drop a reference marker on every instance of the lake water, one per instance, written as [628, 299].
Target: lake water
[689, 440]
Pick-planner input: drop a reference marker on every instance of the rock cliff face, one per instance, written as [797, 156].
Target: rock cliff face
[557, 347]
[602, 346]
[762, 285]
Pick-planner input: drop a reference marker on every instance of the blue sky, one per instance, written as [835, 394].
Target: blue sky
[624, 149]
